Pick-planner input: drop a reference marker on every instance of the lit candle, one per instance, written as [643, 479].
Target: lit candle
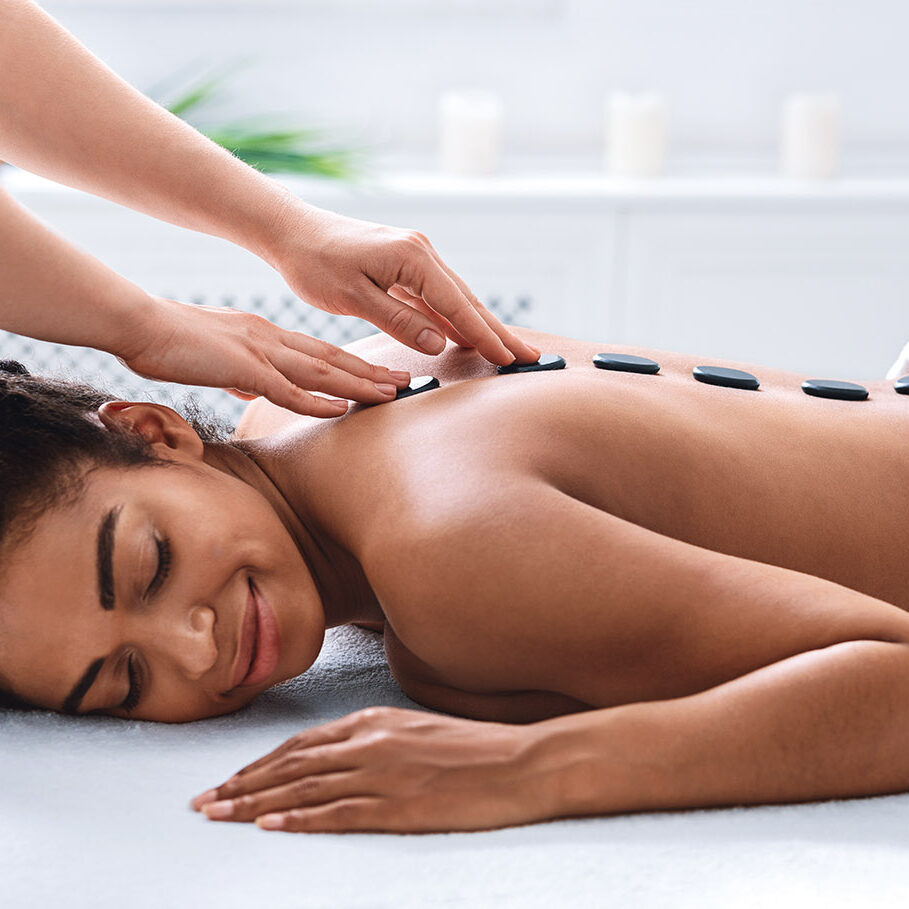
[810, 136]
[635, 134]
[470, 132]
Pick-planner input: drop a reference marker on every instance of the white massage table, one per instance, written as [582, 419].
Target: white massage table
[93, 813]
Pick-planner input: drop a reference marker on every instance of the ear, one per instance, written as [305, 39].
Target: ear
[169, 434]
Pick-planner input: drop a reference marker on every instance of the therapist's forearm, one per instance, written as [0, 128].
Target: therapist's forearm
[67, 116]
[57, 292]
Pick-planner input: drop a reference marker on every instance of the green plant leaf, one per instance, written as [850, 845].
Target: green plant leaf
[263, 140]
[194, 97]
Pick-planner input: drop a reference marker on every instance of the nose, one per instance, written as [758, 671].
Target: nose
[186, 639]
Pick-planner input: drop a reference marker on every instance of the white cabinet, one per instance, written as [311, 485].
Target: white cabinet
[811, 278]
[821, 293]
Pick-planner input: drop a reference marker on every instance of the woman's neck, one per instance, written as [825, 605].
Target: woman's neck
[344, 590]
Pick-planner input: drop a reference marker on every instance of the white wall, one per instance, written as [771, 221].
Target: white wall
[377, 67]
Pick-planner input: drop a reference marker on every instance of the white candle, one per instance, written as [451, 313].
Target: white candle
[636, 134]
[470, 132]
[810, 136]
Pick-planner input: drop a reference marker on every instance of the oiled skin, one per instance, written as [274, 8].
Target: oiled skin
[774, 476]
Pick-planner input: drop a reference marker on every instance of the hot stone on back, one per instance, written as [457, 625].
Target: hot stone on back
[626, 363]
[722, 375]
[417, 385]
[546, 361]
[831, 388]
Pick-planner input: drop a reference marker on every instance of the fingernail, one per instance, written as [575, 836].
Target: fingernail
[536, 350]
[387, 389]
[400, 376]
[430, 341]
[219, 809]
[270, 821]
[208, 796]
[340, 405]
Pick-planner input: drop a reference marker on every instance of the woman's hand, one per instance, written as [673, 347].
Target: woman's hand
[388, 276]
[389, 769]
[249, 356]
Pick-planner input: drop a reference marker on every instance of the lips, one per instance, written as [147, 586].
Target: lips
[260, 645]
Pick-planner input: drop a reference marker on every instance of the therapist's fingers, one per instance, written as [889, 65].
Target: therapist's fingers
[402, 321]
[288, 372]
[343, 359]
[300, 371]
[242, 395]
[445, 292]
[291, 397]
[250, 356]
[404, 295]
[523, 352]
[424, 277]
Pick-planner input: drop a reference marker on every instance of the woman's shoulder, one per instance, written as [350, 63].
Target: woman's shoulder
[262, 418]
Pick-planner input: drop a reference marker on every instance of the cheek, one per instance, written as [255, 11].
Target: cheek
[192, 706]
[301, 623]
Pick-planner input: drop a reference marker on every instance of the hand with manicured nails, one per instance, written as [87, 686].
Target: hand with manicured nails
[391, 277]
[144, 157]
[249, 356]
[386, 769]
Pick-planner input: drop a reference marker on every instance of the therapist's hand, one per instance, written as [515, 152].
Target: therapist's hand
[249, 356]
[391, 277]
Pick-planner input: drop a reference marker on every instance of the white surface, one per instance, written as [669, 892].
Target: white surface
[572, 184]
[93, 813]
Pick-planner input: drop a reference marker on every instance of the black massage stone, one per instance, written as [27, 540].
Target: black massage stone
[829, 388]
[417, 384]
[730, 378]
[546, 361]
[626, 363]
[901, 386]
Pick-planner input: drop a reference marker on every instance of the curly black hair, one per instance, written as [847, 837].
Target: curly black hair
[50, 434]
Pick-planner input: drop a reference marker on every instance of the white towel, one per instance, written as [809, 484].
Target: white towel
[900, 366]
[93, 813]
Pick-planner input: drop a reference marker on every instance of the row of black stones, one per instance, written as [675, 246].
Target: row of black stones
[711, 375]
[737, 378]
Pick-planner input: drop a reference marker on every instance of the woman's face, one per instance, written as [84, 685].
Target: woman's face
[181, 623]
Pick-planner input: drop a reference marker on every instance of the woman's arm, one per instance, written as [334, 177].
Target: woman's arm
[830, 723]
[67, 116]
[734, 682]
[57, 292]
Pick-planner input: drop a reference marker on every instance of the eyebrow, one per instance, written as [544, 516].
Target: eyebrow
[105, 570]
[106, 557]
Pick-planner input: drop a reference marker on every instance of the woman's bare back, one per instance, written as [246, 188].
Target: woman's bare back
[818, 485]
[773, 476]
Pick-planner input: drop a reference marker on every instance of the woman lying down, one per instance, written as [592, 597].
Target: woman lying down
[623, 592]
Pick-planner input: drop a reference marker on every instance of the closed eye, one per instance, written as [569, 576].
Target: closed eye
[135, 688]
[164, 561]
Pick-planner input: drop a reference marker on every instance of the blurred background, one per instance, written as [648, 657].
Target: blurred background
[724, 179]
